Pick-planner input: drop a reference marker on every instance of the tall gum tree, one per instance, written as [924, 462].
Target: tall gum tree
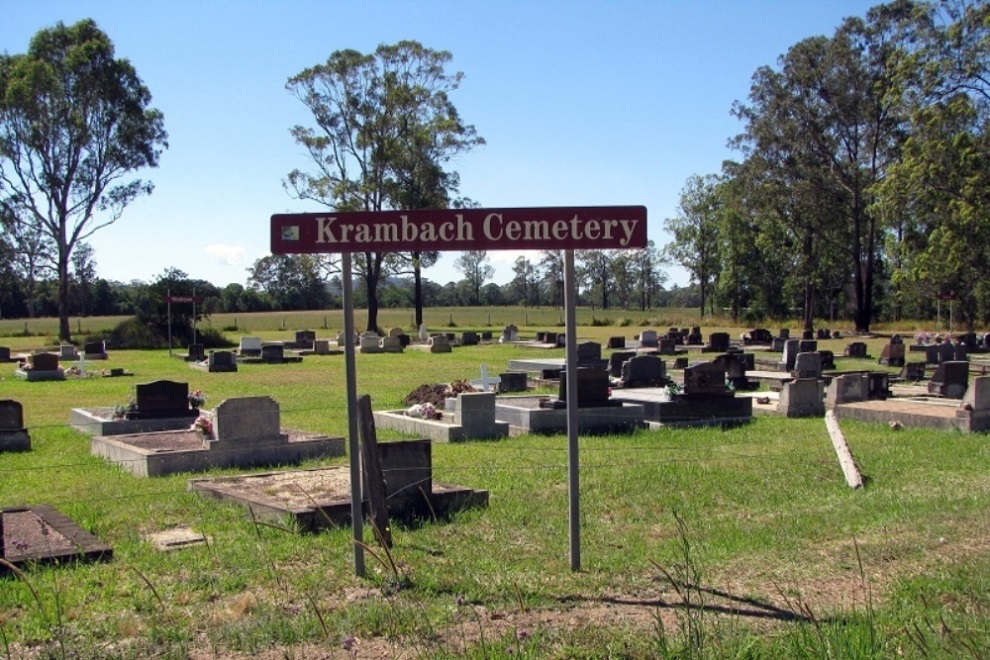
[385, 127]
[75, 122]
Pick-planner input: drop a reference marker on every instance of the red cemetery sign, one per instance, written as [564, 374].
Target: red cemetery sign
[563, 228]
[183, 299]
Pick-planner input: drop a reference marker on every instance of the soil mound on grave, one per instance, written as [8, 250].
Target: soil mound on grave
[436, 394]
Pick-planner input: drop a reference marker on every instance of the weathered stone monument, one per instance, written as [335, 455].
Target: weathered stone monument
[803, 397]
[643, 371]
[950, 379]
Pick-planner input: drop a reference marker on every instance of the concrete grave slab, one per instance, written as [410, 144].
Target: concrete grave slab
[41, 533]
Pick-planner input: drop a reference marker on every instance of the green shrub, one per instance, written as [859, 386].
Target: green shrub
[213, 338]
[132, 333]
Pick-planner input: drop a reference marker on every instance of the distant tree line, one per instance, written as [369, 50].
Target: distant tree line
[864, 185]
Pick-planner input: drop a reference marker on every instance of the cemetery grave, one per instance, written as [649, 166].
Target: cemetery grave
[42, 534]
[240, 432]
[162, 405]
[40, 367]
[597, 412]
[272, 352]
[218, 362]
[469, 416]
[704, 399]
[321, 497]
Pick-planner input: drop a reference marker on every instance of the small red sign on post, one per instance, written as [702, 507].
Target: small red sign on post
[183, 299]
[561, 228]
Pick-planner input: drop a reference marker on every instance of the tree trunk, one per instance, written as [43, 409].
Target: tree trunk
[418, 290]
[64, 332]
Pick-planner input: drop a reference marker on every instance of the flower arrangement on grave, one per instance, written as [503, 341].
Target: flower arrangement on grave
[922, 337]
[424, 411]
[120, 411]
[204, 425]
[196, 399]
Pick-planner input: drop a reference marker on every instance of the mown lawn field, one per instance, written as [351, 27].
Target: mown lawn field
[742, 542]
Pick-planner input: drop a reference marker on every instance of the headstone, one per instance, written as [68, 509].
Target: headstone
[197, 352]
[476, 414]
[847, 388]
[250, 346]
[616, 342]
[273, 352]
[509, 334]
[305, 339]
[4, 354]
[486, 335]
[680, 363]
[784, 333]
[589, 354]
[592, 388]
[13, 435]
[221, 361]
[896, 339]
[513, 381]
[823, 333]
[161, 399]
[615, 361]
[960, 351]
[423, 332]
[667, 346]
[550, 338]
[828, 359]
[706, 379]
[648, 339]
[807, 346]
[807, 365]
[247, 421]
[439, 344]
[878, 385]
[760, 336]
[68, 352]
[469, 338]
[977, 395]
[950, 379]
[791, 349]
[321, 347]
[43, 362]
[945, 351]
[392, 344]
[369, 342]
[718, 342]
[807, 334]
[803, 397]
[893, 355]
[856, 349]
[541, 336]
[777, 344]
[836, 334]
[643, 371]
[95, 350]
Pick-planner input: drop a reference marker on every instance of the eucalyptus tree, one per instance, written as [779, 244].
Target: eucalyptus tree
[523, 286]
[938, 195]
[829, 119]
[593, 269]
[695, 232]
[75, 122]
[552, 279]
[647, 279]
[385, 127]
[477, 270]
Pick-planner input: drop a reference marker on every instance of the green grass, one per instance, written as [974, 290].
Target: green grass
[900, 568]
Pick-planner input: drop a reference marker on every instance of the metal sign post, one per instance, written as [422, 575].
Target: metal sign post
[458, 230]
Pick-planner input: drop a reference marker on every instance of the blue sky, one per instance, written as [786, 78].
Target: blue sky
[581, 103]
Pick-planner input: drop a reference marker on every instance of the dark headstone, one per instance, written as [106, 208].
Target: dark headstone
[718, 342]
[615, 361]
[273, 352]
[950, 379]
[856, 349]
[512, 381]
[162, 399]
[4, 354]
[11, 415]
[893, 355]
[486, 335]
[680, 363]
[469, 338]
[589, 353]
[784, 333]
[550, 374]
[828, 359]
[960, 351]
[404, 340]
[197, 352]
[896, 339]
[305, 339]
[808, 334]
[592, 388]
[95, 348]
[667, 346]
[945, 351]
[791, 349]
[913, 371]
[760, 336]
[616, 342]
[823, 333]
[43, 361]
[644, 371]
[551, 338]
[221, 361]
[807, 346]
[541, 337]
